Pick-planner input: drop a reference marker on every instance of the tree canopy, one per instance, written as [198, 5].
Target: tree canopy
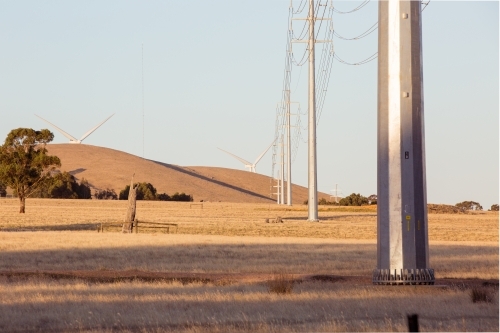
[63, 185]
[469, 205]
[146, 191]
[3, 190]
[24, 162]
[354, 200]
[107, 194]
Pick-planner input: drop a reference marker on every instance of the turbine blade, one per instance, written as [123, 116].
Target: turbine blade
[71, 138]
[93, 129]
[236, 157]
[264, 153]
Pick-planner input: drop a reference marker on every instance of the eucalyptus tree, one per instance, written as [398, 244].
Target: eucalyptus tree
[24, 162]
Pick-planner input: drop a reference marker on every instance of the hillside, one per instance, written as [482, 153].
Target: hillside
[109, 168]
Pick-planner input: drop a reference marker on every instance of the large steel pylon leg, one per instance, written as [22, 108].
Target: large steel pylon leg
[402, 238]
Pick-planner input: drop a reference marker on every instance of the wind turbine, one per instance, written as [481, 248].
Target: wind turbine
[71, 138]
[250, 166]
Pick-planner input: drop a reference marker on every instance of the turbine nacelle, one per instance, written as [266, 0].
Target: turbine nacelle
[71, 138]
[248, 165]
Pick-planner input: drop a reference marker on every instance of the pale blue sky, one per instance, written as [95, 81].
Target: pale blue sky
[213, 75]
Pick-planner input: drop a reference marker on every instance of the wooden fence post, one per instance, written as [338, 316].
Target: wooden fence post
[130, 217]
[413, 323]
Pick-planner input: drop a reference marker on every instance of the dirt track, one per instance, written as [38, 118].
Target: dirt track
[110, 276]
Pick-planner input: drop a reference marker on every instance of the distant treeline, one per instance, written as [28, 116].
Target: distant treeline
[61, 185]
[146, 191]
[354, 199]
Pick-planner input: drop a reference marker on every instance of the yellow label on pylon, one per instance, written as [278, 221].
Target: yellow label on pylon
[408, 217]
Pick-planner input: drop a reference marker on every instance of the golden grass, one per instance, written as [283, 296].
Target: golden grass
[226, 254]
[233, 219]
[233, 238]
[45, 305]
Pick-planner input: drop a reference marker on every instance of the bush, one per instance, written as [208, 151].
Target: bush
[323, 201]
[62, 185]
[494, 208]
[469, 205]
[480, 295]
[3, 190]
[107, 194]
[146, 191]
[354, 200]
[281, 283]
[181, 197]
[372, 199]
[163, 197]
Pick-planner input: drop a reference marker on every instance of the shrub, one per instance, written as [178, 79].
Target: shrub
[146, 191]
[181, 197]
[107, 194]
[281, 283]
[323, 201]
[469, 205]
[494, 208]
[354, 200]
[163, 197]
[62, 185]
[372, 199]
[3, 190]
[480, 295]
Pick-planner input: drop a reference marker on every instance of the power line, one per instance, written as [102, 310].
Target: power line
[364, 3]
[363, 35]
[362, 62]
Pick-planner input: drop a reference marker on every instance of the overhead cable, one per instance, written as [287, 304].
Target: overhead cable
[363, 35]
[364, 3]
[362, 62]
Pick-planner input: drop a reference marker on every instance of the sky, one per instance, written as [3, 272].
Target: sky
[212, 74]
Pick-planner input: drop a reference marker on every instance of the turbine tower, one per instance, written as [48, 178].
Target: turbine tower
[71, 138]
[250, 166]
[402, 240]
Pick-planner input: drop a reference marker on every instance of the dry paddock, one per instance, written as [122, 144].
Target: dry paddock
[232, 240]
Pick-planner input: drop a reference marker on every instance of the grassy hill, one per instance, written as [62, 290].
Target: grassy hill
[109, 168]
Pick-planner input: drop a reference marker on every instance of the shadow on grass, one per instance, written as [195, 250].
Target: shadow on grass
[56, 227]
[325, 218]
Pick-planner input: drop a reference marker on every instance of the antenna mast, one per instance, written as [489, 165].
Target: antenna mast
[142, 63]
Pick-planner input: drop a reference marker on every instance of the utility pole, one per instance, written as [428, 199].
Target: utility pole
[282, 176]
[288, 153]
[402, 239]
[312, 160]
[336, 193]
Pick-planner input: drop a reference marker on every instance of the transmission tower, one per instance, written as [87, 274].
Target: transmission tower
[311, 118]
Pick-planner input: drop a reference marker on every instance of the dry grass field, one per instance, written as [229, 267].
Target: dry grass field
[212, 275]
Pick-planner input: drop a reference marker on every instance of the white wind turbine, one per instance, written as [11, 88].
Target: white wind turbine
[71, 138]
[250, 166]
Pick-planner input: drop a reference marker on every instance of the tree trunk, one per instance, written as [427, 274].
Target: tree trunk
[22, 199]
[130, 217]
[22, 204]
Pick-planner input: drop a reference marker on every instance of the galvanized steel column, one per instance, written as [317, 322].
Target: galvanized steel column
[402, 240]
[312, 168]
